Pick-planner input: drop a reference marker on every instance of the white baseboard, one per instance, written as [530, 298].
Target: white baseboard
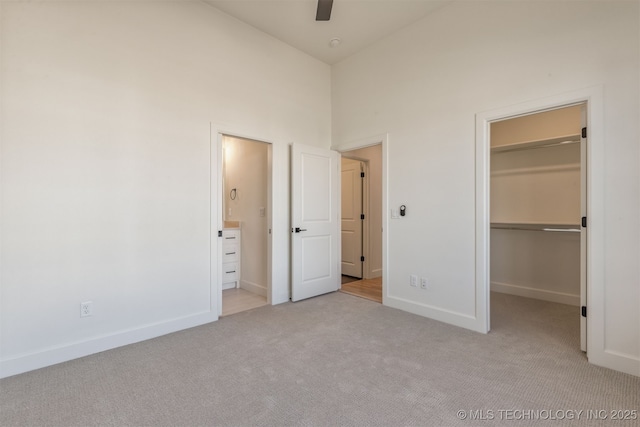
[629, 364]
[541, 294]
[64, 353]
[436, 313]
[254, 288]
[375, 273]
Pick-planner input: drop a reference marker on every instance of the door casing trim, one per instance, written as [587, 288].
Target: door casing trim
[593, 97]
[216, 214]
[382, 139]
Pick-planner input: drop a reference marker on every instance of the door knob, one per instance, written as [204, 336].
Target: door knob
[298, 229]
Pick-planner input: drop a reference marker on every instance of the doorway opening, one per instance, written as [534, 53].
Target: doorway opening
[361, 222]
[246, 172]
[538, 220]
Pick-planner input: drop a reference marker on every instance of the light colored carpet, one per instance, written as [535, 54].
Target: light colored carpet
[328, 361]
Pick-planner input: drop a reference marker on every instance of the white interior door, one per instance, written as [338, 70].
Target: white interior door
[315, 209]
[351, 223]
[583, 229]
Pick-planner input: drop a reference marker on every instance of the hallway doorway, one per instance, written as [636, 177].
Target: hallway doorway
[361, 225]
[370, 289]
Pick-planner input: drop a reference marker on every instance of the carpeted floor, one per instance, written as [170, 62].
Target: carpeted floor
[333, 360]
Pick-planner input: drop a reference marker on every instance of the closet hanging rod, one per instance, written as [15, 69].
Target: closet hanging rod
[546, 228]
[543, 143]
[535, 147]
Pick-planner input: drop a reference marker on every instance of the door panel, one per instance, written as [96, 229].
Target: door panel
[317, 265]
[316, 190]
[315, 250]
[351, 223]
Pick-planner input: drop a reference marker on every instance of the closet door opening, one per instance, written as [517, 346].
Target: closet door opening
[361, 225]
[537, 210]
[246, 176]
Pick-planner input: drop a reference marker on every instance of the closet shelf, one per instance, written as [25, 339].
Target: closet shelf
[537, 226]
[540, 143]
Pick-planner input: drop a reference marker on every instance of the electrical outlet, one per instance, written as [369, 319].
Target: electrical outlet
[413, 280]
[424, 283]
[86, 309]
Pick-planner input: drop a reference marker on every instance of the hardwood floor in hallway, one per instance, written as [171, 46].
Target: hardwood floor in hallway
[370, 289]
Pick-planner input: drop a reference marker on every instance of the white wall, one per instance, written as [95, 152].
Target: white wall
[106, 111]
[536, 264]
[424, 86]
[246, 170]
[536, 186]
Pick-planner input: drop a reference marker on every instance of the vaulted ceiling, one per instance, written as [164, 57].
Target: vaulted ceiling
[356, 23]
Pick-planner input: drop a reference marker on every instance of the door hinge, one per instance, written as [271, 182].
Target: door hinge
[584, 221]
[584, 132]
[584, 311]
[361, 216]
[219, 233]
[361, 259]
[361, 174]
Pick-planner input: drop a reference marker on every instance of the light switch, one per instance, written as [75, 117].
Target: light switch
[394, 214]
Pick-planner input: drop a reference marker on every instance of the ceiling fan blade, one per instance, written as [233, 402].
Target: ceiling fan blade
[324, 10]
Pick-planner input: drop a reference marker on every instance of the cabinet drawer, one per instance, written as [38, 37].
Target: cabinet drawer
[230, 236]
[230, 253]
[229, 272]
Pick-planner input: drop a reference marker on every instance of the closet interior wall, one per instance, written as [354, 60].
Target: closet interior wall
[535, 205]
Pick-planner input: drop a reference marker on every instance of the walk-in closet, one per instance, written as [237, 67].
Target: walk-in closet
[537, 204]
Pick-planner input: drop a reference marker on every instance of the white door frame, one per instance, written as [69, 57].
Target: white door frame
[366, 223]
[382, 139]
[593, 97]
[274, 257]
